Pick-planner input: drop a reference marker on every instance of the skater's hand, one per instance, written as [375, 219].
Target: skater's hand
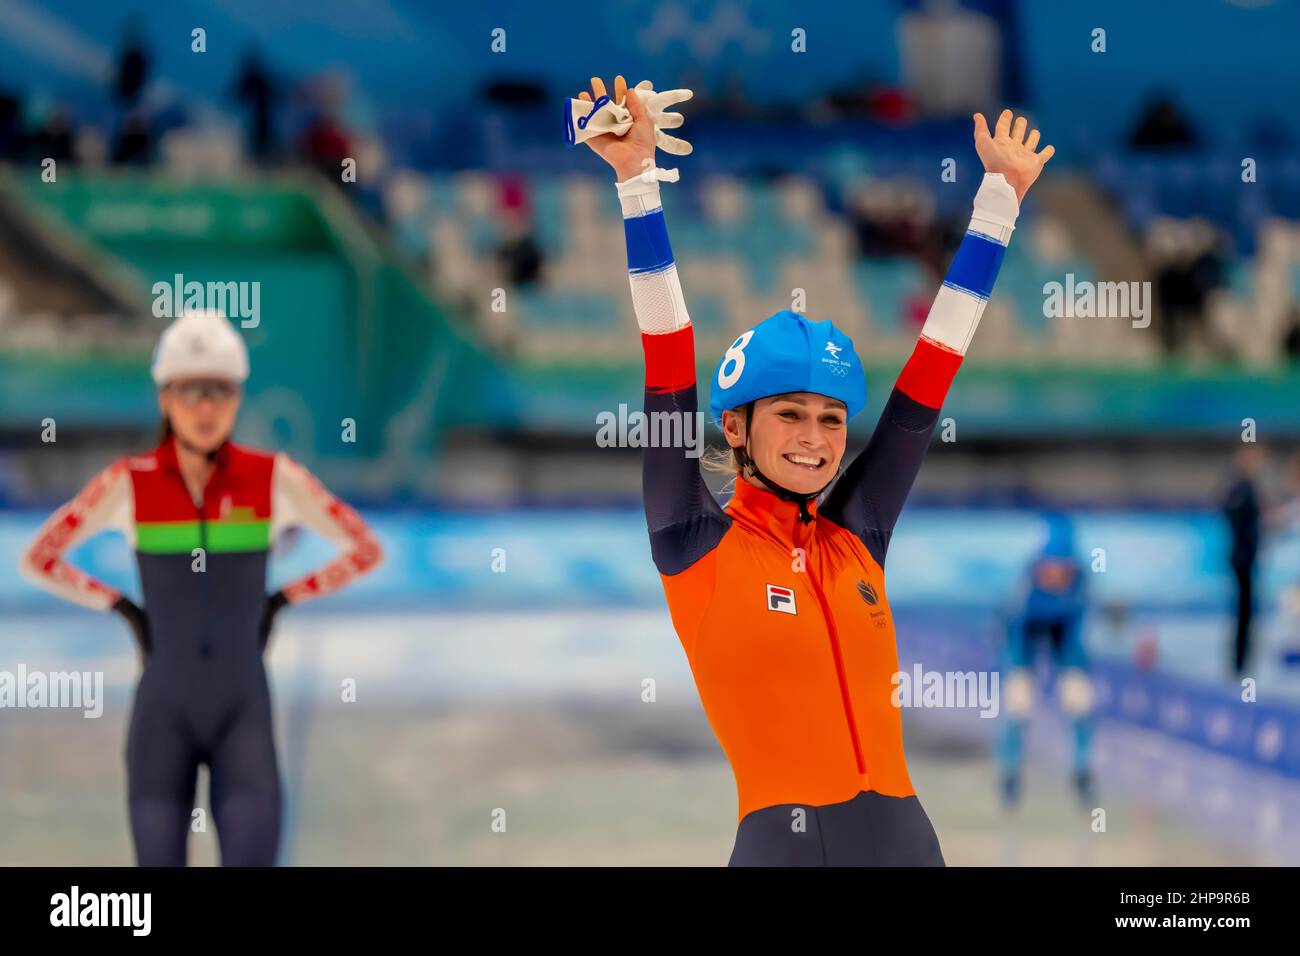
[1008, 152]
[134, 615]
[634, 151]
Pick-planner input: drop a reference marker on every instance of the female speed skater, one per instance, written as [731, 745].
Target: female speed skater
[1050, 614]
[201, 513]
[779, 598]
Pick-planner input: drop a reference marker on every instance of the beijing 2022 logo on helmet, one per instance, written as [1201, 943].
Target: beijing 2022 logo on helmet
[838, 366]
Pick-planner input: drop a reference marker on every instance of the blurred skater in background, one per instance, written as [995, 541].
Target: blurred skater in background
[1049, 615]
[201, 513]
[1241, 506]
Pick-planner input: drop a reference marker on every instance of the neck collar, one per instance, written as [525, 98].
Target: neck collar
[763, 511]
[168, 457]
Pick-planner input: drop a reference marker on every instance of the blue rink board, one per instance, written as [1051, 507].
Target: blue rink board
[558, 559]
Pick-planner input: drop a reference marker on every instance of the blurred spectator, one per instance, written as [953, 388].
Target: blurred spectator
[518, 252]
[880, 102]
[255, 88]
[54, 139]
[890, 105]
[11, 126]
[324, 146]
[325, 142]
[1162, 127]
[891, 219]
[134, 144]
[132, 64]
[1241, 508]
[1292, 341]
[1189, 265]
[516, 94]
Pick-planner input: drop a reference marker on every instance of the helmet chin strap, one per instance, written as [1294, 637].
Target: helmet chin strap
[785, 494]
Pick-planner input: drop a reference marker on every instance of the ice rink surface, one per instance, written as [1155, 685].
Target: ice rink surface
[540, 720]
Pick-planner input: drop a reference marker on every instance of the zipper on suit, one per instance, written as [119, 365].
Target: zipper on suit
[840, 674]
[205, 645]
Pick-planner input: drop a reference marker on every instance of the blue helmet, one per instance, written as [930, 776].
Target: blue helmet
[787, 353]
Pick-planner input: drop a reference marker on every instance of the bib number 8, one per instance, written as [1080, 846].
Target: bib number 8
[733, 361]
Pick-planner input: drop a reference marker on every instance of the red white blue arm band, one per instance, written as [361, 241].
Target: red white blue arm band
[652, 271]
[961, 299]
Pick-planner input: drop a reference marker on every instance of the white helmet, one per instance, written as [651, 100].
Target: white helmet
[200, 344]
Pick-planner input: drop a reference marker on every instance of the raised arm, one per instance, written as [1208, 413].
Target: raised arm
[870, 494]
[683, 518]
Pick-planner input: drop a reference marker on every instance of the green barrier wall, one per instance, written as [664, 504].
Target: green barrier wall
[347, 332]
[344, 332]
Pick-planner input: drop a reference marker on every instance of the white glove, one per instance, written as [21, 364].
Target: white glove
[583, 120]
[656, 105]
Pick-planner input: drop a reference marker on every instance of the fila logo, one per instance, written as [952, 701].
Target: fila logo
[780, 599]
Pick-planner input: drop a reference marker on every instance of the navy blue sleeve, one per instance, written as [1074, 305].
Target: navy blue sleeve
[868, 498]
[684, 519]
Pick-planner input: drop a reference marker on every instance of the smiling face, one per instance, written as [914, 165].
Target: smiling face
[798, 438]
[201, 410]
